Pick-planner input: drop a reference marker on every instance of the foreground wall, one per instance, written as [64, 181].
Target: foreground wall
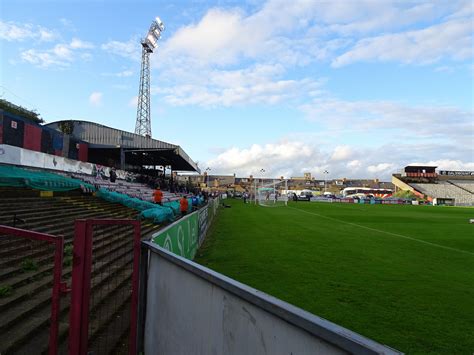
[190, 309]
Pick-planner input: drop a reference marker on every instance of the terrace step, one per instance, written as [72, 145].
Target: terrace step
[40, 305]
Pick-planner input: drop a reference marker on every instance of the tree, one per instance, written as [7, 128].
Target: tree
[405, 194]
[67, 127]
[20, 111]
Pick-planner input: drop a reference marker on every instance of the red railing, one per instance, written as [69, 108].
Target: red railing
[427, 175]
[89, 237]
[58, 286]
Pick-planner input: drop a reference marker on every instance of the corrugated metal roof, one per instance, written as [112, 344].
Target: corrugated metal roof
[98, 135]
[95, 133]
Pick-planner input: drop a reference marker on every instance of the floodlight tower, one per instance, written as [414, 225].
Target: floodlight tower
[325, 172]
[149, 43]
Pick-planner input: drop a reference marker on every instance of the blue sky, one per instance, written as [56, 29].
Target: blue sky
[358, 88]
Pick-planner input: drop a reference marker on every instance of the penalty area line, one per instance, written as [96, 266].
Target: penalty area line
[387, 233]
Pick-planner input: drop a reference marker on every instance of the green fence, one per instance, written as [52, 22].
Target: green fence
[186, 235]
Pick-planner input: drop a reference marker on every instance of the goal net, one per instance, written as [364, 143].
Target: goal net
[272, 194]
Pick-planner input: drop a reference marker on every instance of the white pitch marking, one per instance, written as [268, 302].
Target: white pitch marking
[388, 233]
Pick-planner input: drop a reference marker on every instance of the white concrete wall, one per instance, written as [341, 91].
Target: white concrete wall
[24, 157]
[188, 313]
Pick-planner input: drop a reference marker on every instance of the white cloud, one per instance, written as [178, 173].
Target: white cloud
[130, 49]
[133, 102]
[95, 99]
[381, 168]
[224, 36]
[444, 69]
[341, 152]
[354, 164]
[293, 158]
[61, 55]
[79, 44]
[124, 73]
[452, 39]
[296, 32]
[429, 121]
[121, 74]
[253, 85]
[212, 61]
[43, 58]
[11, 31]
[274, 158]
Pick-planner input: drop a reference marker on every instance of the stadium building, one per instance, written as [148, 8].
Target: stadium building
[124, 149]
[86, 142]
[441, 187]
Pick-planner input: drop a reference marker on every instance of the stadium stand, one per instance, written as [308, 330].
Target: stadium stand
[466, 185]
[25, 318]
[132, 189]
[445, 190]
[424, 182]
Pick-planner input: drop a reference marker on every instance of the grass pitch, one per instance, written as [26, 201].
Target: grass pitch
[401, 275]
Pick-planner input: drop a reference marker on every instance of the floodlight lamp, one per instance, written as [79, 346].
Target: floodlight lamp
[157, 33]
[151, 40]
[159, 24]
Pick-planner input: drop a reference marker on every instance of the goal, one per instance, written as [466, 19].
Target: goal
[271, 193]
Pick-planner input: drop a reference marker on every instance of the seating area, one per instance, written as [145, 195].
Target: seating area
[445, 189]
[26, 268]
[132, 189]
[464, 184]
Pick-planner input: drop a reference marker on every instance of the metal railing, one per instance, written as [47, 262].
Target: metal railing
[33, 254]
[104, 297]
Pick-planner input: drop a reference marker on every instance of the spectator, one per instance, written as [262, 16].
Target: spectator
[113, 175]
[183, 205]
[194, 201]
[158, 196]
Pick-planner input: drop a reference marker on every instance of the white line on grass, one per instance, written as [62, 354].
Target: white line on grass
[388, 233]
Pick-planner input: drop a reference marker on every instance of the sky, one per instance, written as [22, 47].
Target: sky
[356, 88]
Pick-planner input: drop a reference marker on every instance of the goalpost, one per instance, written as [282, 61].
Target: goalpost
[271, 194]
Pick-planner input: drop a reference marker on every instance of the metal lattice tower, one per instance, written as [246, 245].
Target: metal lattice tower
[149, 43]
[143, 124]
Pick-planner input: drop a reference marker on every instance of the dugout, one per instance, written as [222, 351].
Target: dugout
[439, 201]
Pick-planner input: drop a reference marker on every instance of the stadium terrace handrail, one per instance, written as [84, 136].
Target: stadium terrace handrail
[321, 328]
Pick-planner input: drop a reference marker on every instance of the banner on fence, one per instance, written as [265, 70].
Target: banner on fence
[203, 222]
[181, 237]
[186, 235]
